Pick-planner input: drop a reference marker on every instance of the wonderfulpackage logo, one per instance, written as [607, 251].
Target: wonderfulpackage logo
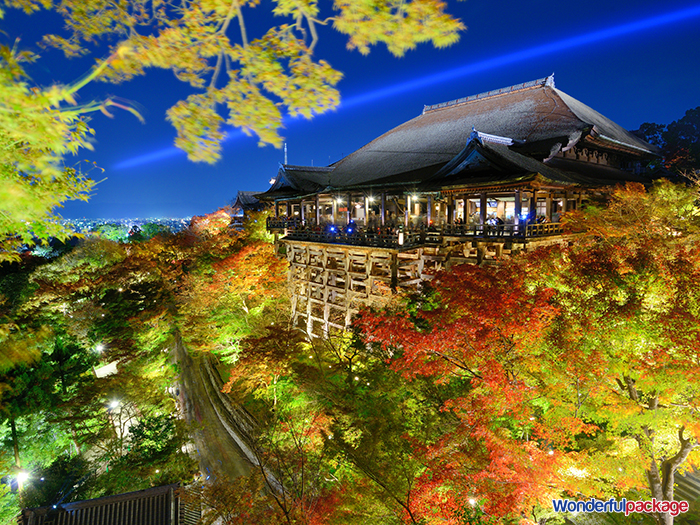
[613, 505]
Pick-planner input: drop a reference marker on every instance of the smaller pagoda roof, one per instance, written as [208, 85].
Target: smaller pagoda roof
[247, 201]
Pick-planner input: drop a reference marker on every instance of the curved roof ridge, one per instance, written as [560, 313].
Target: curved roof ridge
[295, 167]
[540, 82]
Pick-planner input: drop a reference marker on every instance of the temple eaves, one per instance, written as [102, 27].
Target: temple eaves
[495, 139]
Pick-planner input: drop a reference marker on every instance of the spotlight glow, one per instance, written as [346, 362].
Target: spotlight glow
[167, 153]
[527, 54]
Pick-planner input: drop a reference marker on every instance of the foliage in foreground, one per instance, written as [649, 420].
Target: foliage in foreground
[36, 131]
[567, 372]
[248, 80]
[248, 83]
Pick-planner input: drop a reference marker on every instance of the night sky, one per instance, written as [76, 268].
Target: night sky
[634, 61]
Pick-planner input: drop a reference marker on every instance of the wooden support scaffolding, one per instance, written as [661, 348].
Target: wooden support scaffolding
[330, 283]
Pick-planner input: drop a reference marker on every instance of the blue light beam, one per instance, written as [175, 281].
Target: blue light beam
[526, 54]
[166, 153]
[469, 69]
[147, 158]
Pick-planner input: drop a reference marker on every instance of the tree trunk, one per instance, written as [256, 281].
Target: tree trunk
[15, 446]
[15, 442]
[661, 484]
[656, 485]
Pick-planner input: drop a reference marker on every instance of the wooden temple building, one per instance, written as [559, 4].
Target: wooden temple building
[154, 506]
[467, 181]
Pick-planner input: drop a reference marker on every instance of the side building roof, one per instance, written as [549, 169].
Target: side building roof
[297, 181]
[247, 200]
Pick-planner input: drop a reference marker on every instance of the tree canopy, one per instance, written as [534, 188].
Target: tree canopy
[569, 371]
[582, 359]
[679, 141]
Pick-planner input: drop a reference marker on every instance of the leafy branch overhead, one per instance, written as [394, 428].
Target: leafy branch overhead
[250, 79]
[38, 127]
[35, 133]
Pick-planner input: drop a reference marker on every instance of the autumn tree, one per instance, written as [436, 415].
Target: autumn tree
[342, 438]
[238, 501]
[625, 344]
[234, 287]
[383, 429]
[475, 328]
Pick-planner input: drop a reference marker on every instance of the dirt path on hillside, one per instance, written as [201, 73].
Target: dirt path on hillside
[220, 438]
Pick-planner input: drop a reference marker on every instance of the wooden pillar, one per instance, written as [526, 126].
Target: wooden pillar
[349, 214]
[318, 210]
[450, 209]
[334, 209]
[518, 207]
[365, 203]
[302, 211]
[309, 307]
[407, 211]
[532, 207]
[548, 207]
[277, 210]
[289, 210]
[429, 214]
[482, 207]
[565, 202]
[383, 208]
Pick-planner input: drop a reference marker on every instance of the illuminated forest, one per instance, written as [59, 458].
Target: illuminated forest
[566, 372]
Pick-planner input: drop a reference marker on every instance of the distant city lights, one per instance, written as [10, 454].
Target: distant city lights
[85, 225]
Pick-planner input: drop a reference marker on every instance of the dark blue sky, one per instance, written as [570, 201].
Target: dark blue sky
[634, 61]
